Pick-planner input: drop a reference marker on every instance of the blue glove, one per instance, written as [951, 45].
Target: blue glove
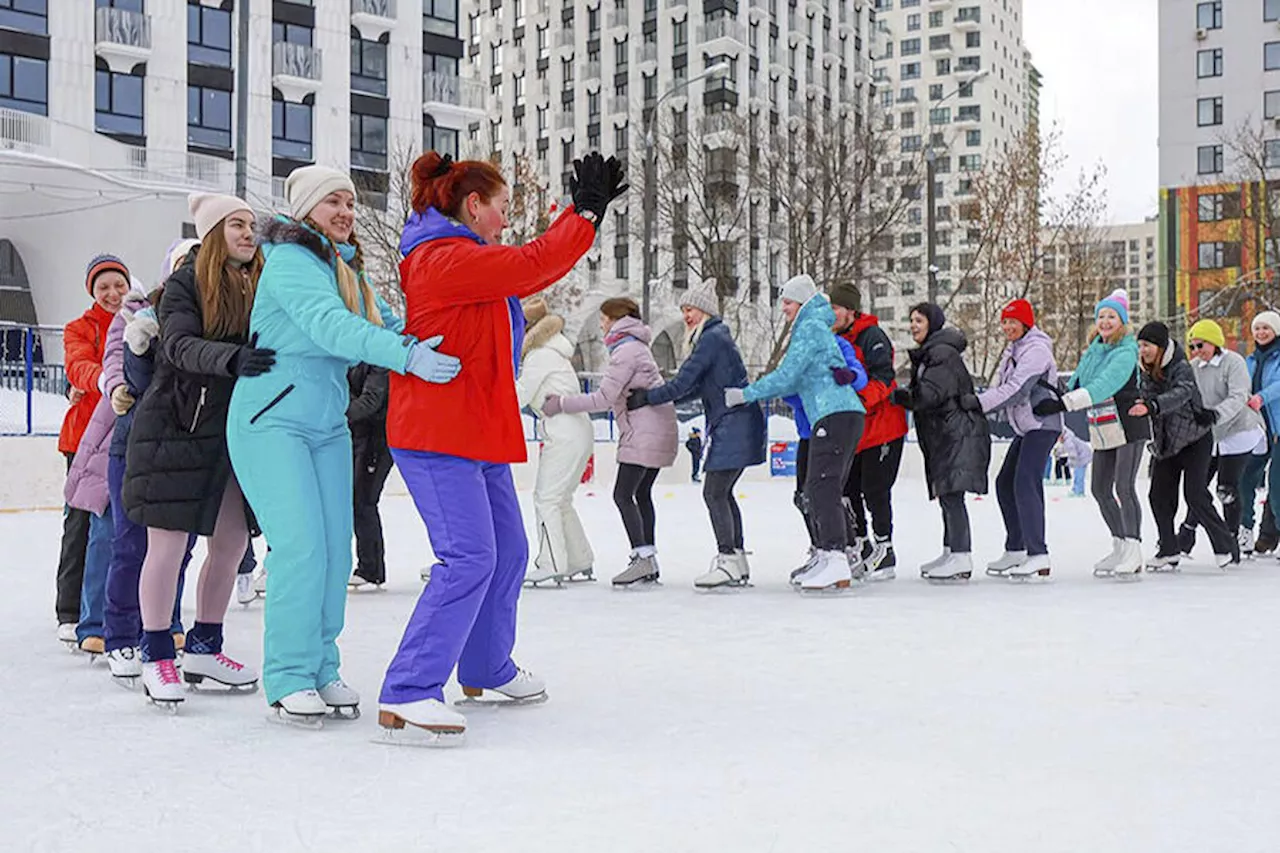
[431, 366]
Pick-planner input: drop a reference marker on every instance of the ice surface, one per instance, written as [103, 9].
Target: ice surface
[1078, 715]
[47, 411]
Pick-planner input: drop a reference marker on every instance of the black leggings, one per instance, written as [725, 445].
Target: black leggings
[955, 523]
[632, 494]
[726, 520]
[1190, 466]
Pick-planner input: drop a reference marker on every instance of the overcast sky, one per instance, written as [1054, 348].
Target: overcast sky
[1099, 60]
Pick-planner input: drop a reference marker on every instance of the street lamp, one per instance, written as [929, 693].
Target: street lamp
[930, 160]
[715, 72]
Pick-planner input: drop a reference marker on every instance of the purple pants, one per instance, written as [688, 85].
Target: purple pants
[466, 617]
[121, 616]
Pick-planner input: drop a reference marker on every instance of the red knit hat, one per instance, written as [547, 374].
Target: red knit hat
[1020, 310]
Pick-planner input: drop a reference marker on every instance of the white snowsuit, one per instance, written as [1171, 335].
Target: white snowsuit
[562, 542]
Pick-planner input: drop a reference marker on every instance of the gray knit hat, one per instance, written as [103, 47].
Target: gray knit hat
[703, 297]
[799, 288]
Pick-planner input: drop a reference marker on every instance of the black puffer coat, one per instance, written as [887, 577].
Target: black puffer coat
[367, 413]
[955, 442]
[177, 465]
[1175, 403]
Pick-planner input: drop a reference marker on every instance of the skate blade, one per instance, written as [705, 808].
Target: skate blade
[344, 713]
[639, 585]
[881, 576]
[483, 702]
[196, 684]
[954, 579]
[556, 582]
[1164, 570]
[397, 731]
[169, 706]
[1126, 577]
[727, 586]
[584, 576]
[1041, 576]
[838, 588]
[308, 722]
[128, 682]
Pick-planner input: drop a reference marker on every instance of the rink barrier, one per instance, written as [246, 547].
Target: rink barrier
[33, 385]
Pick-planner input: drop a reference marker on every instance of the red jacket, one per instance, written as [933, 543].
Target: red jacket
[84, 342]
[885, 422]
[456, 286]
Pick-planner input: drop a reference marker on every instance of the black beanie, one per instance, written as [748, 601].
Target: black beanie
[1155, 333]
[932, 313]
[846, 295]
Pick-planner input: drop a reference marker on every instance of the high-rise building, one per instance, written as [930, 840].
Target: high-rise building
[1034, 84]
[951, 76]
[1219, 144]
[112, 111]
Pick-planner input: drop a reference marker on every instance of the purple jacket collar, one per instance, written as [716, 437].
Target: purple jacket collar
[432, 225]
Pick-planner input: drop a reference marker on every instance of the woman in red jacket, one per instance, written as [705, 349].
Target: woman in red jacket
[454, 443]
[84, 344]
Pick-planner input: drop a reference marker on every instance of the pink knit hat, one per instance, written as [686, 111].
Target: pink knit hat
[208, 209]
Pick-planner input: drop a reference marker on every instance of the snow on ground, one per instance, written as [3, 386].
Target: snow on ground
[47, 411]
[1077, 715]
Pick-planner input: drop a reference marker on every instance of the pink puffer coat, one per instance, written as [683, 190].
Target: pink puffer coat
[647, 436]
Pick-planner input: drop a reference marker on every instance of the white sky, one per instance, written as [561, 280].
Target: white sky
[1099, 59]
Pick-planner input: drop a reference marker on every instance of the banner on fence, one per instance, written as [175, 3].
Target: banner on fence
[782, 458]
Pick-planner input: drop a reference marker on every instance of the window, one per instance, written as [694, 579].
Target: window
[680, 33]
[970, 162]
[440, 63]
[368, 141]
[1209, 159]
[907, 95]
[620, 261]
[24, 83]
[940, 115]
[1271, 103]
[1212, 255]
[935, 20]
[943, 67]
[970, 63]
[1209, 15]
[440, 17]
[1209, 63]
[593, 106]
[208, 117]
[973, 40]
[29, 16]
[973, 138]
[620, 54]
[208, 35]
[118, 103]
[909, 71]
[368, 65]
[935, 91]
[650, 86]
[910, 143]
[911, 238]
[910, 47]
[913, 23]
[1271, 10]
[969, 112]
[443, 140]
[1271, 56]
[292, 33]
[908, 121]
[1209, 111]
[544, 42]
[291, 130]
[566, 69]
[620, 138]
[1271, 153]
[942, 42]
[888, 51]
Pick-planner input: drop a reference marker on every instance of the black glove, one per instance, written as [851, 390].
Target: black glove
[637, 399]
[617, 178]
[251, 361]
[842, 375]
[1206, 417]
[969, 402]
[1045, 408]
[590, 187]
[900, 397]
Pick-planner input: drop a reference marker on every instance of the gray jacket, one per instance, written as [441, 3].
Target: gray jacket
[1225, 388]
[1025, 363]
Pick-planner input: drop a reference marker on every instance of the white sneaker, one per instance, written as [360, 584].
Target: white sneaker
[935, 562]
[1009, 560]
[160, 681]
[830, 572]
[125, 662]
[67, 632]
[219, 668]
[1130, 562]
[245, 593]
[260, 582]
[338, 694]
[726, 570]
[430, 714]
[798, 574]
[955, 567]
[1032, 567]
[1107, 564]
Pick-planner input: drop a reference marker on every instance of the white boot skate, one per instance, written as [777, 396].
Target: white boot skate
[161, 685]
[357, 582]
[524, 689]
[727, 570]
[304, 709]
[245, 593]
[880, 565]
[1009, 560]
[1163, 563]
[641, 571]
[797, 575]
[125, 665]
[1245, 538]
[928, 565]
[957, 567]
[831, 573]
[1107, 565]
[539, 575]
[429, 722]
[342, 701]
[1129, 567]
[260, 582]
[67, 635]
[1226, 561]
[1034, 567]
[220, 669]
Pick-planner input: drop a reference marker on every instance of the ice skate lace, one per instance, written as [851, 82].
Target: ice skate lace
[228, 662]
[167, 671]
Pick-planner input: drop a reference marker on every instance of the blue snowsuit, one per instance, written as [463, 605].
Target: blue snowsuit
[291, 448]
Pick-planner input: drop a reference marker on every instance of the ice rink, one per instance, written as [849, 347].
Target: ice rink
[1074, 715]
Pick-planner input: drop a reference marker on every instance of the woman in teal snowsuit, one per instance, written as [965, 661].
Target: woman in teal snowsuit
[288, 436]
[1108, 372]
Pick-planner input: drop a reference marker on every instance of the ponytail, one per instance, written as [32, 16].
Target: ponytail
[441, 183]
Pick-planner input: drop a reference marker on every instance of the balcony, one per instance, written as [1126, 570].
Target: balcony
[565, 39]
[935, 5]
[296, 70]
[647, 53]
[758, 10]
[941, 50]
[452, 99]
[180, 168]
[723, 35]
[122, 38]
[968, 24]
[619, 105]
[21, 131]
[565, 121]
[618, 19]
[373, 18]
[676, 6]
[592, 73]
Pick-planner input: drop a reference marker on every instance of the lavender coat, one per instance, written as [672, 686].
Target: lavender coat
[1025, 362]
[86, 486]
[647, 436]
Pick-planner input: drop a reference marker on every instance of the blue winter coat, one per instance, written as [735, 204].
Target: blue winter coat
[1268, 385]
[737, 435]
[299, 313]
[805, 429]
[806, 368]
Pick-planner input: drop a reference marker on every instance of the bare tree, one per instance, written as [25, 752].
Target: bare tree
[533, 209]
[380, 219]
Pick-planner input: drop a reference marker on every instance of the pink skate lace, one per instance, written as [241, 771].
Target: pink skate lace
[228, 662]
[167, 671]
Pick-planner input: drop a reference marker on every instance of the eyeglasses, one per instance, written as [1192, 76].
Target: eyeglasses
[1197, 346]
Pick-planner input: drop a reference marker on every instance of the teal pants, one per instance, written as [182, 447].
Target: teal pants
[300, 489]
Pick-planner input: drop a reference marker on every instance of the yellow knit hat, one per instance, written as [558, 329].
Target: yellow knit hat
[1208, 330]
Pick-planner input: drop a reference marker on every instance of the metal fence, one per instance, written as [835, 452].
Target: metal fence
[33, 382]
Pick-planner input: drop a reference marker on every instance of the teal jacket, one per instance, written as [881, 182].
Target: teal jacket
[1105, 369]
[805, 370]
[298, 313]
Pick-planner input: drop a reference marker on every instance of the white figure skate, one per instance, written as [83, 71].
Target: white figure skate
[1034, 567]
[219, 669]
[727, 571]
[957, 567]
[830, 574]
[428, 722]
[126, 666]
[524, 689]
[161, 685]
[303, 709]
[342, 701]
[1009, 560]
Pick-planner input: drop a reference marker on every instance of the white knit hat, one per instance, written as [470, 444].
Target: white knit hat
[800, 289]
[208, 209]
[1267, 318]
[175, 256]
[703, 297]
[307, 186]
